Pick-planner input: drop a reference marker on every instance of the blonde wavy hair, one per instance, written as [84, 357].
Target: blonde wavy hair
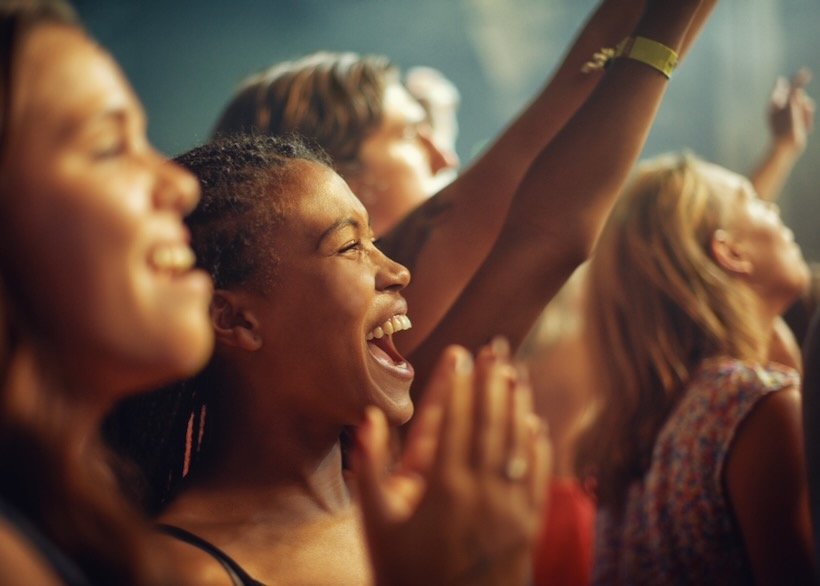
[657, 305]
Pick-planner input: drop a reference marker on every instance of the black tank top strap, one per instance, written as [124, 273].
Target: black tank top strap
[65, 568]
[239, 576]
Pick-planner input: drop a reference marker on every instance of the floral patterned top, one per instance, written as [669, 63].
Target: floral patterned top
[678, 526]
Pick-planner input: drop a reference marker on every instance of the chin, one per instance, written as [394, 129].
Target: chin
[397, 410]
[190, 350]
[400, 416]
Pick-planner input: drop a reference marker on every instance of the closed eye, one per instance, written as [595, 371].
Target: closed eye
[111, 150]
[351, 246]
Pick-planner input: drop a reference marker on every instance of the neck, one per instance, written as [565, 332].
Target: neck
[272, 455]
[38, 385]
[766, 315]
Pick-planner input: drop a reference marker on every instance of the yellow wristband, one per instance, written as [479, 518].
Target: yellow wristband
[657, 55]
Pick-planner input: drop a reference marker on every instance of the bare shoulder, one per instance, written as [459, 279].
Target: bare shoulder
[776, 413]
[20, 564]
[770, 437]
[766, 481]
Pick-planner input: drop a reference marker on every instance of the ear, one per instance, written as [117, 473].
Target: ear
[233, 322]
[728, 255]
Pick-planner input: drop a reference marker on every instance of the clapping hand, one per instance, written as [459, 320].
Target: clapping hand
[463, 505]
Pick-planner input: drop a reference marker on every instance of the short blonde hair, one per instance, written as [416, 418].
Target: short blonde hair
[658, 305]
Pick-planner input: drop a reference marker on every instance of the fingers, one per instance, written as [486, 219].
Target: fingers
[518, 432]
[486, 423]
[541, 460]
[780, 94]
[423, 437]
[791, 110]
[493, 379]
[798, 95]
[456, 424]
[502, 439]
[806, 107]
[801, 78]
[370, 460]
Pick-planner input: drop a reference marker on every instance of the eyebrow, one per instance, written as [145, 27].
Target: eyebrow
[335, 227]
[117, 115]
[343, 223]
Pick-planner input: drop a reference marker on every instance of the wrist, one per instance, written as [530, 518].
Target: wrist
[786, 147]
[668, 23]
[649, 52]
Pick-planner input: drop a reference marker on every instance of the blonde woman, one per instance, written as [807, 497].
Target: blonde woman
[696, 442]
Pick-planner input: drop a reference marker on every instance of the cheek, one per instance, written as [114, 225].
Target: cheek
[417, 160]
[348, 294]
[80, 262]
[331, 302]
[402, 163]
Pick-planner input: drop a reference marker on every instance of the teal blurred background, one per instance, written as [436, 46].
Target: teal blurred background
[185, 57]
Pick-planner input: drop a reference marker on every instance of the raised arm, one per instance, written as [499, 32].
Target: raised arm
[444, 241]
[791, 119]
[565, 197]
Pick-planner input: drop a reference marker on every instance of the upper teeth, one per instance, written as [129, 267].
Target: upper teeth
[172, 257]
[397, 323]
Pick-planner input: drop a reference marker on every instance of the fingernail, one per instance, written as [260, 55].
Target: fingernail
[462, 362]
[523, 373]
[500, 347]
[536, 425]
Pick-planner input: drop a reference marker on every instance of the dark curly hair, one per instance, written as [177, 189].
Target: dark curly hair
[244, 179]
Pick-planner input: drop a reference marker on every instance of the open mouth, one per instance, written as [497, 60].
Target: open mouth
[381, 347]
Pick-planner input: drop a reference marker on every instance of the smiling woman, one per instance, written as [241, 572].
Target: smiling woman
[98, 296]
[311, 305]
[293, 350]
[305, 311]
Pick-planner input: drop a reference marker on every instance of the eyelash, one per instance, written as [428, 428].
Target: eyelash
[410, 133]
[355, 245]
[111, 151]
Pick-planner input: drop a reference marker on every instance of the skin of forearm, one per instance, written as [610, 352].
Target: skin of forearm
[771, 174]
[547, 114]
[465, 219]
[544, 239]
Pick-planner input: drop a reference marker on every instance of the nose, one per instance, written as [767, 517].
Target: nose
[391, 276]
[441, 158]
[176, 188]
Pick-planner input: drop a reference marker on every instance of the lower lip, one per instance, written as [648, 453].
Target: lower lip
[194, 280]
[403, 372]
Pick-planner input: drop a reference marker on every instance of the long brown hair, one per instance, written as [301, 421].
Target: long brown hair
[657, 306]
[69, 494]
